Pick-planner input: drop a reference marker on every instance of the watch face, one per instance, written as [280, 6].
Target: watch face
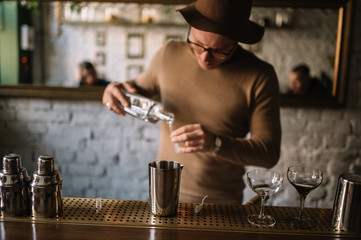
[217, 145]
[218, 142]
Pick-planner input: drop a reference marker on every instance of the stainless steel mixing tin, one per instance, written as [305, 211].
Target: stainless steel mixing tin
[347, 203]
[164, 182]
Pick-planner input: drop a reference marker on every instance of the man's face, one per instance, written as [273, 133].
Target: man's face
[89, 77]
[299, 83]
[211, 42]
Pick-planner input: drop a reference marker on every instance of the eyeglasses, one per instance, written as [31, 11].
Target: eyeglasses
[214, 52]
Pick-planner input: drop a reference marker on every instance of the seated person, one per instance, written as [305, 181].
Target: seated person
[88, 75]
[301, 83]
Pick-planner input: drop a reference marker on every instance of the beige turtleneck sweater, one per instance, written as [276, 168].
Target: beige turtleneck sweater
[240, 96]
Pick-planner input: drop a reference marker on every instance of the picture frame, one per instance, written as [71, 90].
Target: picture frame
[100, 38]
[133, 71]
[100, 58]
[135, 46]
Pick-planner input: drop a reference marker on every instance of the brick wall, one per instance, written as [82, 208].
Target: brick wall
[97, 152]
[100, 154]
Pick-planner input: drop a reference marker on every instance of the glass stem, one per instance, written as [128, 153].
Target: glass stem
[302, 203]
[261, 214]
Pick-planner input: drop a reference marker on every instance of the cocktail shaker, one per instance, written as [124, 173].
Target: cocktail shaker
[46, 189]
[164, 183]
[347, 204]
[14, 187]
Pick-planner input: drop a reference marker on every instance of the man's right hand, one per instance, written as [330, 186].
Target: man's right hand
[113, 95]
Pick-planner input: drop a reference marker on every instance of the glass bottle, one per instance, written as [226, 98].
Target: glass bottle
[147, 110]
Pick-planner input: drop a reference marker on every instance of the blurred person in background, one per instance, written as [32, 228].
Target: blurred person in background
[88, 76]
[301, 82]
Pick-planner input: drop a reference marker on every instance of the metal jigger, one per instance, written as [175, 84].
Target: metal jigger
[14, 188]
[46, 189]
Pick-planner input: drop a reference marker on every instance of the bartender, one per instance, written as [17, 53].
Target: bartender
[225, 101]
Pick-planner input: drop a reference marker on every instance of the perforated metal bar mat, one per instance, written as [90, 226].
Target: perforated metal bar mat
[212, 217]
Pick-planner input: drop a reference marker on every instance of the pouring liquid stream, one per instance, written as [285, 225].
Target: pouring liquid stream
[176, 145]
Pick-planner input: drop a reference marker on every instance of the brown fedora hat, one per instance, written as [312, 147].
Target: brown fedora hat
[229, 18]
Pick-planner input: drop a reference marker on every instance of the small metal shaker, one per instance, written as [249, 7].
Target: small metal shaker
[46, 189]
[164, 183]
[14, 188]
[347, 204]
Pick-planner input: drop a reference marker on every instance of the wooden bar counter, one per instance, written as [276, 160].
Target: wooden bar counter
[124, 219]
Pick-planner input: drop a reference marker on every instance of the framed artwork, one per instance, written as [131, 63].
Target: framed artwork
[100, 58]
[100, 38]
[133, 71]
[176, 38]
[135, 46]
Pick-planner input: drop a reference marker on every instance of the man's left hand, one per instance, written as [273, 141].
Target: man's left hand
[195, 138]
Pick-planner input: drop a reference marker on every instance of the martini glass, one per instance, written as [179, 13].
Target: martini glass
[304, 179]
[264, 183]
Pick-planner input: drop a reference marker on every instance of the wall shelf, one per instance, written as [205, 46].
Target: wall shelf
[122, 23]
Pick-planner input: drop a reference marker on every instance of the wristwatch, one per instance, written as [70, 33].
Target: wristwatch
[217, 144]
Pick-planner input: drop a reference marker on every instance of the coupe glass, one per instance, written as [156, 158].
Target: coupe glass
[304, 179]
[264, 183]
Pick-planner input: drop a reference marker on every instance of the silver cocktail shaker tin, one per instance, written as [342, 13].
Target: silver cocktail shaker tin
[14, 187]
[46, 188]
[347, 204]
[164, 183]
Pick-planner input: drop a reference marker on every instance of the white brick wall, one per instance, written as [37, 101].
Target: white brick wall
[100, 154]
